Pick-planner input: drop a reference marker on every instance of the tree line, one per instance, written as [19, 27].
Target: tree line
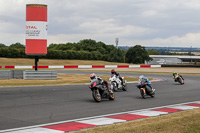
[86, 49]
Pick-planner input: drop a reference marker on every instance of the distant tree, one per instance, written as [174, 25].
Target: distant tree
[137, 55]
[114, 56]
[153, 52]
[2, 45]
[86, 49]
[4, 51]
[17, 45]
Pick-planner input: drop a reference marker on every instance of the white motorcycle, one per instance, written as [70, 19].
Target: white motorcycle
[116, 83]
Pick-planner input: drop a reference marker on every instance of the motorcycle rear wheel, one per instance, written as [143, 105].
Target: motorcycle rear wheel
[112, 96]
[125, 87]
[96, 95]
[153, 95]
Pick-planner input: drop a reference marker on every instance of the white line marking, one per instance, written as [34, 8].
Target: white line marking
[183, 107]
[85, 66]
[149, 113]
[110, 66]
[56, 66]
[101, 121]
[23, 67]
[37, 130]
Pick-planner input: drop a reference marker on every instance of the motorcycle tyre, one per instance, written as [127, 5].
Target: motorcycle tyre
[125, 87]
[142, 94]
[95, 97]
[114, 87]
[181, 81]
[112, 96]
[153, 95]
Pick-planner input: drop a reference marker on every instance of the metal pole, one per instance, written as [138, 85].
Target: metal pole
[36, 62]
[116, 41]
[190, 54]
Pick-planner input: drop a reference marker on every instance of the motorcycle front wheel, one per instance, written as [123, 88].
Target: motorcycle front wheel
[114, 86]
[143, 94]
[181, 81]
[96, 95]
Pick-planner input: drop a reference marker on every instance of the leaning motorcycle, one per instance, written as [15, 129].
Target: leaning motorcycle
[100, 91]
[116, 83]
[145, 90]
[179, 79]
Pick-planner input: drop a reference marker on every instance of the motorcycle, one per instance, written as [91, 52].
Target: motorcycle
[179, 79]
[145, 90]
[116, 83]
[100, 91]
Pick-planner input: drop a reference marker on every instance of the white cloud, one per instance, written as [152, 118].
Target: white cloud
[151, 22]
[190, 39]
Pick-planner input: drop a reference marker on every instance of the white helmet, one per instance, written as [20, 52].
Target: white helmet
[141, 77]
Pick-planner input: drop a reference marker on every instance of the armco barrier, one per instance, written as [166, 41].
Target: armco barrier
[85, 66]
[11, 74]
[5, 74]
[31, 74]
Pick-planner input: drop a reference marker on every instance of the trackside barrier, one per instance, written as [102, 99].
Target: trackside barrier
[5, 74]
[85, 66]
[11, 74]
[30, 74]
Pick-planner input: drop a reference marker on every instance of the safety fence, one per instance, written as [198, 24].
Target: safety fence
[28, 74]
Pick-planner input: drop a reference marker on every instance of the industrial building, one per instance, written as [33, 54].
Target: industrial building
[172, 59]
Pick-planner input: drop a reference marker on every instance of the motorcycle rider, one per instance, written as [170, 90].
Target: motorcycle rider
[117, 75]
[101, 81]
[148, 82]
[175, 74]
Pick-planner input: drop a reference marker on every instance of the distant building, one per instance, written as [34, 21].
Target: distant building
[172, 59]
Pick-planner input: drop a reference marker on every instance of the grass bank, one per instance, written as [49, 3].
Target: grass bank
[46, 62]
[182, 122]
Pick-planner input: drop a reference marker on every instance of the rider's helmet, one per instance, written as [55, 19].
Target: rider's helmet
[112, 71]
[174, 73]
[92, 76]
[141, 77]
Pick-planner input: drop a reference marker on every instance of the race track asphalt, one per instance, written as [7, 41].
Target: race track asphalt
[28, 106]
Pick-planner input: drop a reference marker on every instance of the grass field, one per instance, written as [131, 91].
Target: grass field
[46, 62]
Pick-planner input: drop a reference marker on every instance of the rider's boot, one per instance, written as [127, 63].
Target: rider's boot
[153, 90]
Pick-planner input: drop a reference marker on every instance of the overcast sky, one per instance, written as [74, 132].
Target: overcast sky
[145, 22]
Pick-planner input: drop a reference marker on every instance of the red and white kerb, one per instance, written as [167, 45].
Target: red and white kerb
[36, 29]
